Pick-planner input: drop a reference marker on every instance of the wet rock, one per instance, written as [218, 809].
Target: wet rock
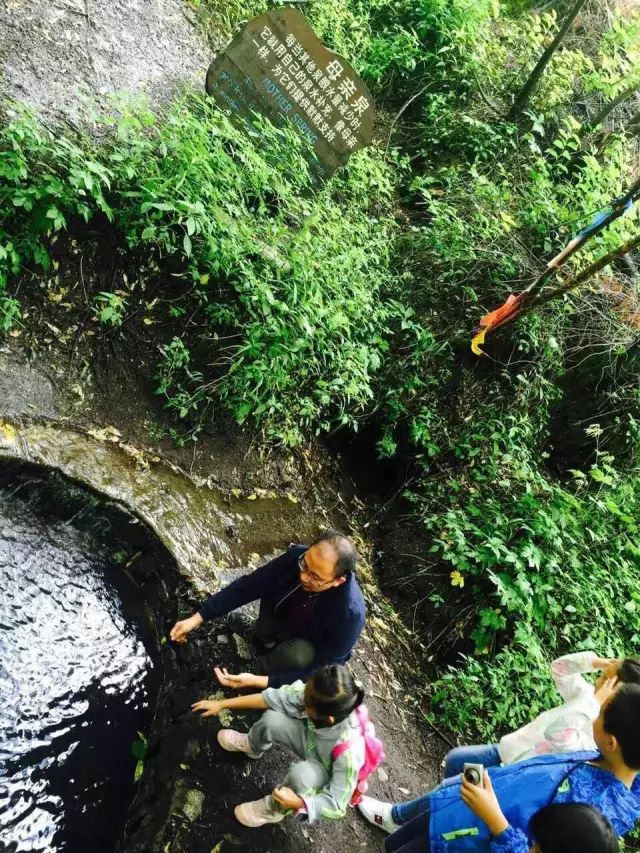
[188, 802]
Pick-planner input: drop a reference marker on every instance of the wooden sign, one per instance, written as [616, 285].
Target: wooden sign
[278, 68]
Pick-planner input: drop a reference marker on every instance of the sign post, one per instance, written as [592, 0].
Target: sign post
[277, 67]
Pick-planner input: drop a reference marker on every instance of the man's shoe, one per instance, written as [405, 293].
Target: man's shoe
[258, 813]
[378, 813]
[236, 742]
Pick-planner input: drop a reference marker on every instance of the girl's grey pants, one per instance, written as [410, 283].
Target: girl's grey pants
[274, 727]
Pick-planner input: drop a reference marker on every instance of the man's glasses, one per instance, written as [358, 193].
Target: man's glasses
[304, 569]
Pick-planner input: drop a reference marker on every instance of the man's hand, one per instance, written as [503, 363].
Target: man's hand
[608, 666]
[185, 626]
[240, 681]
[287, 799]
[484, 803]
[209, 707]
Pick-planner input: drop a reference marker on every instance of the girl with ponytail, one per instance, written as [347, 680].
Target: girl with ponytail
[325, 723]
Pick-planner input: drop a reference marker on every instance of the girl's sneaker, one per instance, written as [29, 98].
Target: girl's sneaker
[378, 813]
[236, 742]
[259, 812]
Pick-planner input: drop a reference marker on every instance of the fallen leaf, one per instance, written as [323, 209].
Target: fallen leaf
[109, 433]
[8, 431]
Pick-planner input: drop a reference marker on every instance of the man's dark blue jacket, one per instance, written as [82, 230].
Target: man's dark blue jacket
[338, 613]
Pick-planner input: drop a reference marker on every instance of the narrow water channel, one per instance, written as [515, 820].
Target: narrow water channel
[78, 680]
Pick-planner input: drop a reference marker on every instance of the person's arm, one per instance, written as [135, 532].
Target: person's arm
[185, 626]
[565, 732]
[212, 707]
[288, 699]
[244, 589]
[510, 841]
[240, 681]
[250, 587]
[484, 804]
[567, 673]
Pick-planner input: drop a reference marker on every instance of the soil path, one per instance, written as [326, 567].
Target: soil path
[54, 51]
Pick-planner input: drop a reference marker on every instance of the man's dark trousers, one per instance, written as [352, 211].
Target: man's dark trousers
[289, 653]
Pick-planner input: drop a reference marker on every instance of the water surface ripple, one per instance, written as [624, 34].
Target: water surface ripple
[75, 682]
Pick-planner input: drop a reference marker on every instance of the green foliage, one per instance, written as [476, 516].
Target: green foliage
[562, 572]
[139, 749]
[110, 308]
[177, 381]
[298, 277]
[10, 312]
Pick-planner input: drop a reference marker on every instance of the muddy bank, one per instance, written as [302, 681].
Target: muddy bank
[54, 52]
[206, 783]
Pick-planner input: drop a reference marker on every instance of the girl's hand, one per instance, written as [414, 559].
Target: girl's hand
[608, 666]
[484, 803]
[209, 707]
[605, 687]
[240, 681]
[287, 799]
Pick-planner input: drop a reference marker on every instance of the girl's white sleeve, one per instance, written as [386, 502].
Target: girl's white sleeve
[567, 674]
[288, 699]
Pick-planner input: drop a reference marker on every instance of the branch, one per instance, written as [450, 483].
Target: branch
[618, 209]
[522, 98]
[586, 274]
[590, 126]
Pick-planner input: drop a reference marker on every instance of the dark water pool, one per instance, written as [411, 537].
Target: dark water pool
[77, 683]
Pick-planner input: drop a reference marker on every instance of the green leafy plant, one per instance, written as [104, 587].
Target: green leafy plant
[111, 308]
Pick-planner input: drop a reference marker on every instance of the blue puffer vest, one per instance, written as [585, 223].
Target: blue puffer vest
[522, 789]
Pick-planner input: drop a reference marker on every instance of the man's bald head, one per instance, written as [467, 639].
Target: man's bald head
[346, 555]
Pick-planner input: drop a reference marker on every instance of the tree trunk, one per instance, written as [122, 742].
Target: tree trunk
[633, 125]
[590, 126]
[522, 98]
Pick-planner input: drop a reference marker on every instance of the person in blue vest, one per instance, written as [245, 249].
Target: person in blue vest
[311, 611]
[556, 828]
[607, 779]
